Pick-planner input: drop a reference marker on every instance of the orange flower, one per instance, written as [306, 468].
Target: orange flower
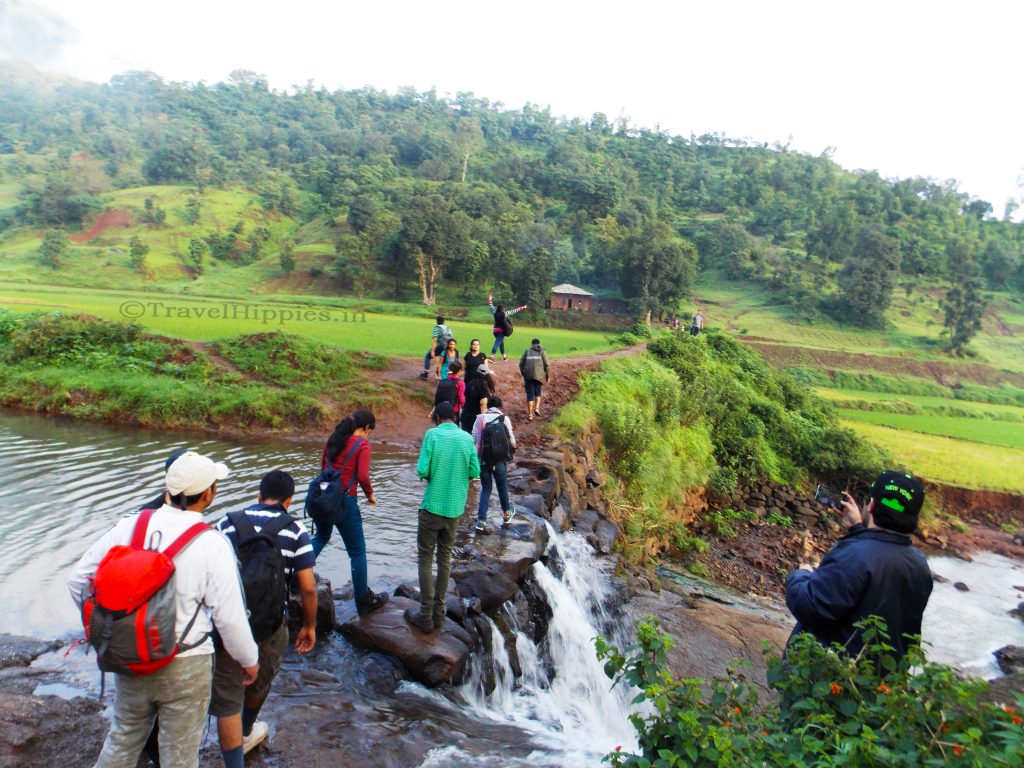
[618, 748]
[736, 710]
[1008, 709]
[943, 727]
[764, 733]
[726, 723]
[836, 689]
[958, 750]
[883, 688]
[1017, 720]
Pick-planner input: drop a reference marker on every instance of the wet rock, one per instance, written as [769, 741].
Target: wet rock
[586, 520]
[560, 519]
[1019, 589]
[325, 597]
[431, 659]
[383, 672]
[1010, 659]
[603, 536]
[961, 587]
[17, 651]
[488, 582]
[939, 579]
[1018, 612]
[34, 731]
[533, 502]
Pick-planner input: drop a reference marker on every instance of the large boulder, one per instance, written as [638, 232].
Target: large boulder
[603, 536]
[431, 659]
[1010, 659]
[487, 581]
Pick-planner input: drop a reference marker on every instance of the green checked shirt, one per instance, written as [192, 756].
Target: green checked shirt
[448, 461]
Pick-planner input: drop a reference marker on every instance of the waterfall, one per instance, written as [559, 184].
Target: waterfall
[562, 698]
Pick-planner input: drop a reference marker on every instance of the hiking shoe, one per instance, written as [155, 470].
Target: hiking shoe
[480, 527]
[424, 624]
[506, 517]
[504, 357]
[423, 375]
[258, 734]
[370, 601]
[530, 417]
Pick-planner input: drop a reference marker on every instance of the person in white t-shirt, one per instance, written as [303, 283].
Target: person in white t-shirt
[208, 588]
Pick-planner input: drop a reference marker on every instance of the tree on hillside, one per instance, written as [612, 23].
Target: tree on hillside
[532, 283]
[658, 269]
[196, 249]
[53, 248]
[287, 257]
[867, 279]
[963, 304]
[434, 236]
[468, 138]
[137, 251]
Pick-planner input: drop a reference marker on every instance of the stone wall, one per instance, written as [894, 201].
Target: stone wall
[765, 498]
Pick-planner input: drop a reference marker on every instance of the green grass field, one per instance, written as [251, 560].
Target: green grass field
[1009, 434]
[956, 462]
[881, 401]
[202, 319]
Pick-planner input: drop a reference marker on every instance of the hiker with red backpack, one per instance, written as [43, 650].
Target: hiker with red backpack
[495, 445]
[332, 502]
[502, 325]
[151, 591]
[272, 549]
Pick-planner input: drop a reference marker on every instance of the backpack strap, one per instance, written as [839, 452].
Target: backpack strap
[185, 539]
[277, 525]
[243, 526]
[344, 462]
[141, 526]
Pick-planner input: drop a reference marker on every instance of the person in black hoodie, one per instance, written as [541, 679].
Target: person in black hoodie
[874, 570]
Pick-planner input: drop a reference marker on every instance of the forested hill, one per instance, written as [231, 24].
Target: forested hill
[412, 190]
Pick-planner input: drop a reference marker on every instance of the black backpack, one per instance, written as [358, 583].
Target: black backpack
[261, 565]
[495, 447]
[325, 493]
[506, 326]
[447, 391]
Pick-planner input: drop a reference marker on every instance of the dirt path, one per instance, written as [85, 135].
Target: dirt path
[405, 424]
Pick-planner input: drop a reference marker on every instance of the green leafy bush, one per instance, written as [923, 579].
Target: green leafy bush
[831, 710]
[57, 337]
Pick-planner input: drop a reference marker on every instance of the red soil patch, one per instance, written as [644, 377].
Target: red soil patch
[102, 223]
[947, 374]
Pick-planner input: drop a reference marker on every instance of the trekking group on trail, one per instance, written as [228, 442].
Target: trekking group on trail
[191, 618]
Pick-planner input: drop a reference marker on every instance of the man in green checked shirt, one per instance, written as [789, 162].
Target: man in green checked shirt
[448, 461]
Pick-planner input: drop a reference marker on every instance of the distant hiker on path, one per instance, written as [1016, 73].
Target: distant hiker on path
[348, 452]
[439, 337]
[472, 359]
[697, 324]
[447, 461]
[478, 390]
[495, 444]
[874, 570]
[502, 325]
[451, 390]
[449, 355]
[536, 372]
[266, 575]
[207, 594]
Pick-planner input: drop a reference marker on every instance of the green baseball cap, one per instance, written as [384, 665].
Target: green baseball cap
[899, 492]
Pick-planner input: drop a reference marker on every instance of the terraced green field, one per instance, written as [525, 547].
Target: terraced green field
[1004, 433]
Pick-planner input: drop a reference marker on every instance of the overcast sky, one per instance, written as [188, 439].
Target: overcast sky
[903, 87]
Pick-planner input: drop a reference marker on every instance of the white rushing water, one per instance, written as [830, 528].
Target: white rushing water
[574, 714]
[963, 628]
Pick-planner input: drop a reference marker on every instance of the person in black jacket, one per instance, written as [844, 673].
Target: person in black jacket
[874, 570]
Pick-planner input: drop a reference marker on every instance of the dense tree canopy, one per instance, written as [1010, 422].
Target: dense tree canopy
[466, 192]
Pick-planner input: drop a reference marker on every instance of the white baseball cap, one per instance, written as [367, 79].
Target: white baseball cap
[192, 473]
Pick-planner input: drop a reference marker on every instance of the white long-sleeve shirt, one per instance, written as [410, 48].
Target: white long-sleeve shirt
[205, 572]
[482, 421]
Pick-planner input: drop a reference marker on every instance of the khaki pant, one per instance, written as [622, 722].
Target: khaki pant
[180, 694]
[434, 532]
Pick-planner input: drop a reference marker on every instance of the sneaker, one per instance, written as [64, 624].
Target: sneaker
[504, 357]
[423, 375]
[480, 527]
[370, 601]
[530, 417]
[424, 624]
[506, 517]
[258, 734]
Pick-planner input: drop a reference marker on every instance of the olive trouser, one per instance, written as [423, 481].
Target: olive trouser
[180, 694]
[434, 532]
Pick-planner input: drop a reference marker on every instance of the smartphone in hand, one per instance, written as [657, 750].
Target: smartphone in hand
[828, 497]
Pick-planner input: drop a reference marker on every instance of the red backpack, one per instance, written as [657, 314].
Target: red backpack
[129, 613]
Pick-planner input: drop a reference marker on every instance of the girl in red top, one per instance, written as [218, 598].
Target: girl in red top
[348, 451]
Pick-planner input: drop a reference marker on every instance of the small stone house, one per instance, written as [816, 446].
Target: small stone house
[570, 298]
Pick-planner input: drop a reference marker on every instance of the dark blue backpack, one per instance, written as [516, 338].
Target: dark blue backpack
[326, 494]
